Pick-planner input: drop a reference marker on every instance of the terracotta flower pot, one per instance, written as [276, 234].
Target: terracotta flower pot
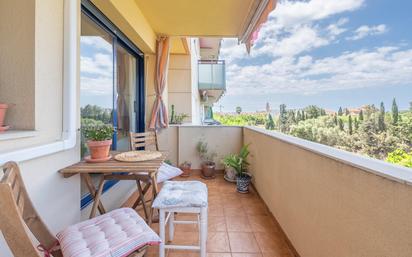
[3, 110]
[99, 149]
[186, 168]
[208, 170]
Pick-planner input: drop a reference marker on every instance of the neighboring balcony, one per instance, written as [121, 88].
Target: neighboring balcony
[211, 80]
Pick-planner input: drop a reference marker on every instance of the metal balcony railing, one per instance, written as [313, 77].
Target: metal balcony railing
[212, 75]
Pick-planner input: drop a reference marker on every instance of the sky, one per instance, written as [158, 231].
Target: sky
[330, 53]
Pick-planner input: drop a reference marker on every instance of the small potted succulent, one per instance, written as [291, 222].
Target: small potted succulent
[230, 173]
[99, 140]
[239, 163]
[186, 167]
[208, 163]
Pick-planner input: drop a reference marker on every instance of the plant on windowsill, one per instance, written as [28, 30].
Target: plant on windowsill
[186, 167]
[3, 110]
[208, 163]
[99, 140]
[240, 164]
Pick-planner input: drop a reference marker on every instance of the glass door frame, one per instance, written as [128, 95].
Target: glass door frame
[91, 11]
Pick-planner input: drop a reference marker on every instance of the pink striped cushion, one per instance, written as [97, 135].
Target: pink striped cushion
[115, 234]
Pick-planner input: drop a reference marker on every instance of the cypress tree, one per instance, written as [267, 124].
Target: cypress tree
[282, 117]
[361, 115]
[270, 124]
[350, 125]
[356, 123]
[335, 119]
[395, 112]
[340, 121]
[347, 111]
[340, 112]
[381, 118]
[298, 116]
[303, 115]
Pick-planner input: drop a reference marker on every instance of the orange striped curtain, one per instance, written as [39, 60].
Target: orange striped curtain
[159, 118]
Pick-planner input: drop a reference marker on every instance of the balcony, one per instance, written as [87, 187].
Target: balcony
[211, 80]
[326, 201]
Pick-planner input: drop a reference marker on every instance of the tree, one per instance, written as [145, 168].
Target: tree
[395, 112]
[356, 123]
[340, 122]
[312, 112]
[303, 115]
[381, 118]
[340, 112]
[238, 110]
[282, 117]
[410, 106]
[361, 115]
[335, 119]
[298, 116]
[347, 111]
[322, 112]
[350, 125]
[270, 124]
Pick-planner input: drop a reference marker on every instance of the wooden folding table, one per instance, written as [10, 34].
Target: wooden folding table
[143, 171]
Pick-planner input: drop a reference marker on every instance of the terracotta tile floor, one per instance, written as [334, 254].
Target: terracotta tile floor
[239, 225]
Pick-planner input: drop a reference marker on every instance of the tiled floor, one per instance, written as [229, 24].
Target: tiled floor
[239, 225]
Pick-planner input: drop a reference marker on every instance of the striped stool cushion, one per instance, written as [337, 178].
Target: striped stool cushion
[115, 234]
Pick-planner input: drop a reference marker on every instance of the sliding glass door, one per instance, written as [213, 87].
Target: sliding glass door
[111, 82]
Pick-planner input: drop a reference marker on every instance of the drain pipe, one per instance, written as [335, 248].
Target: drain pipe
[70, 76]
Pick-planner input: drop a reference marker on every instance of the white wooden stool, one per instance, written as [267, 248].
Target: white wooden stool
[182, 197]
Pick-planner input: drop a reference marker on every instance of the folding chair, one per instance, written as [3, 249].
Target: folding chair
[18, 215]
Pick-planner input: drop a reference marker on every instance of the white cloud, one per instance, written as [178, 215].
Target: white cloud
[364, 31]
[336, 29]
[290, 29]
[291, 13]
[358, 69]
[96, 42]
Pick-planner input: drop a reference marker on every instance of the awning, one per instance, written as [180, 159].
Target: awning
[261, 16]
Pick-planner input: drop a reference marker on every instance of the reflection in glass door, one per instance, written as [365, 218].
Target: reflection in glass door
[126, 92]
[96, 75]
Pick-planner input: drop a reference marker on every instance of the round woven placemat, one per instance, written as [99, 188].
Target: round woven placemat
[137, 156]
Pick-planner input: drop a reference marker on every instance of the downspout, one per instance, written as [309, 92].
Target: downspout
[70, 75]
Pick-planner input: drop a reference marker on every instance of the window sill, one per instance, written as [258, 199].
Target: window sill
[17, 134]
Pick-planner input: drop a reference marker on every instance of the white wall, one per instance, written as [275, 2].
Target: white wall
[181, 141]
[56, 199]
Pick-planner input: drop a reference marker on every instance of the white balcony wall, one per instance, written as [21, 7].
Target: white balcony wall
[181, 141]
[329, 206]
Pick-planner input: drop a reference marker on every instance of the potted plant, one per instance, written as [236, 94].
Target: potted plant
[186, 167]
[99, 140]
[3, 110]
[230, 173]
[240, 165]
[208, 164]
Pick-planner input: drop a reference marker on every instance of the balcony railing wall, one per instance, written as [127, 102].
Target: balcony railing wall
[325, 201]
